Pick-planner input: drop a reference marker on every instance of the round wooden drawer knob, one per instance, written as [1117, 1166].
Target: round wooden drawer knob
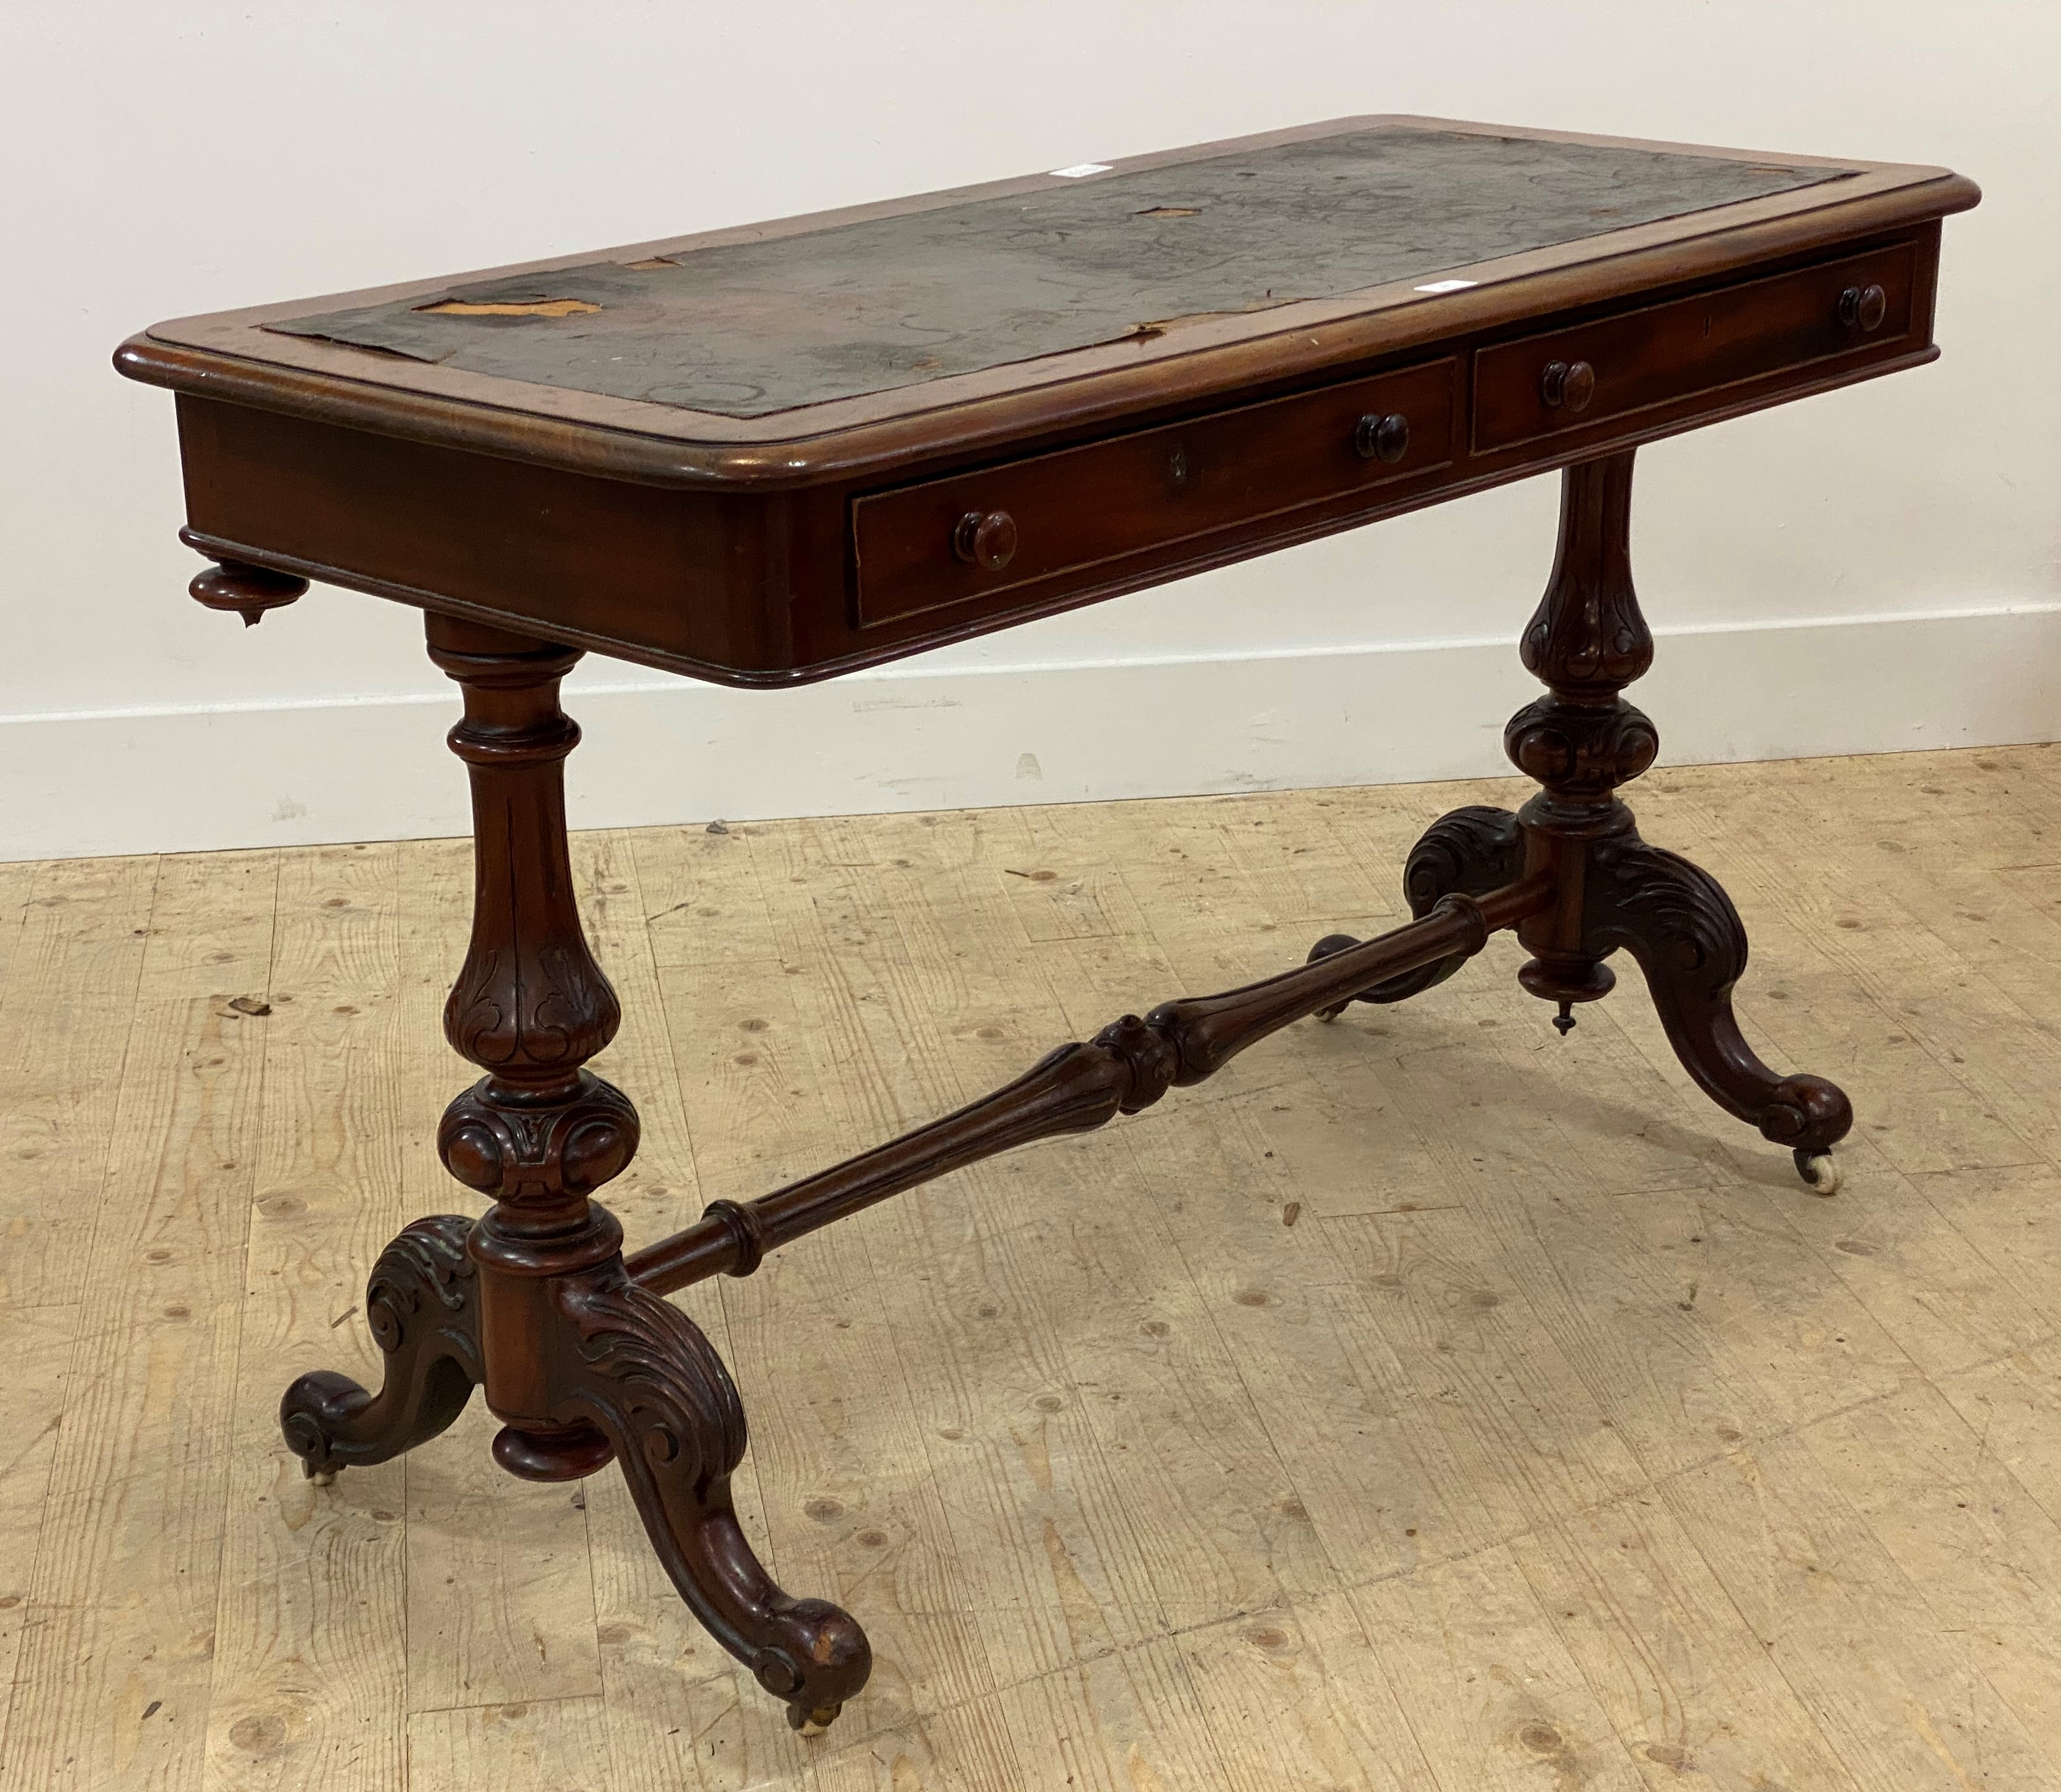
[1863, 308]
[1568, 386]
[1382, 438]
[985, 539]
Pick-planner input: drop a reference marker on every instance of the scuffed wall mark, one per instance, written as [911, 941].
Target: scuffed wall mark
[860, 705]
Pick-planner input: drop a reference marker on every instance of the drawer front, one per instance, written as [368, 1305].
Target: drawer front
[974, 536]
[1572, 379]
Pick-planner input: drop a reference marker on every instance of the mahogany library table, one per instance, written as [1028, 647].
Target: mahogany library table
[771, 454]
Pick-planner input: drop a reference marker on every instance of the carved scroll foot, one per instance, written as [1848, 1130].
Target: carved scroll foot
[1474, 851]
[421, 1303]
[1682, 928]
[651, 1384]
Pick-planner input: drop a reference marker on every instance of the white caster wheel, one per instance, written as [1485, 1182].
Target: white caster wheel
[1820, 1170]
[322, 1477]
[811, 1723]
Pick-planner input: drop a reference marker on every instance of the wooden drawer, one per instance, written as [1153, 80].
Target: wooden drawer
[974, 536]
[1734, 336]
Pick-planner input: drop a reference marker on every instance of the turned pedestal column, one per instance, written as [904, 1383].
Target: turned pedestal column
[580, 1364]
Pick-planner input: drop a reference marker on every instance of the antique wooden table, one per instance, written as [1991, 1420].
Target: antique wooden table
[766, 455]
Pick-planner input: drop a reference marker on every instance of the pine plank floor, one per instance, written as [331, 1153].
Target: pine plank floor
[1425, 1404]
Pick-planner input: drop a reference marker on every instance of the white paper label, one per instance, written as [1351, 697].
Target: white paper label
[1080, 168]
[1449, 286]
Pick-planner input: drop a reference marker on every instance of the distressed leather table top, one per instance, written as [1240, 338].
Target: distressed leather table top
[749, 329]
[862, 341]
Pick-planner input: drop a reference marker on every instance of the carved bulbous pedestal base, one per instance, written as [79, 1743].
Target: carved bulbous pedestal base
[1582, 741]
[532, 1302]
[1682, 931]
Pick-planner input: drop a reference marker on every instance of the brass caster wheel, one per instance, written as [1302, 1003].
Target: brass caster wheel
[812, 1723]
[1820, 1170]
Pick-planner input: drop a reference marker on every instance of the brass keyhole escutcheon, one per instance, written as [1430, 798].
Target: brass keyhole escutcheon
[985, 539]
[1567, 384]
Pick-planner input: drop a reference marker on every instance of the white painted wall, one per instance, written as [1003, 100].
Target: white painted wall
[1874, 569]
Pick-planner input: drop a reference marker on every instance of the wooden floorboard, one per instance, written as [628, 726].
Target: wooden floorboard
[1425, 1403]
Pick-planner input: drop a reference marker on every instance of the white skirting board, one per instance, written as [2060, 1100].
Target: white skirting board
[909, 737]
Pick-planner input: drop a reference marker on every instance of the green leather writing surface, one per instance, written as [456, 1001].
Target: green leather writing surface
[747, 328]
